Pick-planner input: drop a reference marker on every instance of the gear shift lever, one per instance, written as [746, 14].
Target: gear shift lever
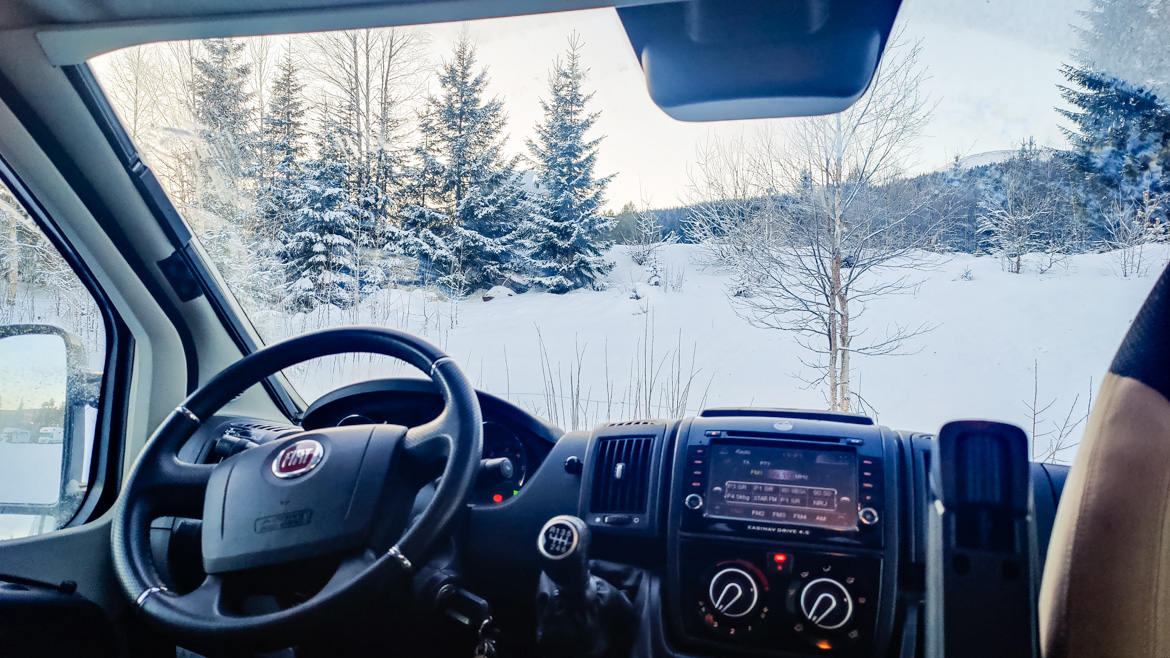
[564, 546]
[579, 615]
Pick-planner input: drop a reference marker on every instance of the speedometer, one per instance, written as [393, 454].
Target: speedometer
[501, 442]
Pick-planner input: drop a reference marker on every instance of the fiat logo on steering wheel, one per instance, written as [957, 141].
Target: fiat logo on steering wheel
[297, 458]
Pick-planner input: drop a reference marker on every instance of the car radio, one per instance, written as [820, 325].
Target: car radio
[768, 484]
[781, 535]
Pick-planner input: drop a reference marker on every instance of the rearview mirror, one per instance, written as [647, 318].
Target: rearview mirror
[710, 60]
[44, 389]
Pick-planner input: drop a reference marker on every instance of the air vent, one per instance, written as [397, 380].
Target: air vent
[261, 426]
[621, 475]
[628, 423]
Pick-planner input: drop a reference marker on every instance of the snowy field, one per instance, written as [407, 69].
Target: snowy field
[1000, 342]
[586, 357]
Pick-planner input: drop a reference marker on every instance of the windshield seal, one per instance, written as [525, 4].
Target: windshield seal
[243, 333]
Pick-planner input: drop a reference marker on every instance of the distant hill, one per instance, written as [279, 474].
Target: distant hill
[986, 158]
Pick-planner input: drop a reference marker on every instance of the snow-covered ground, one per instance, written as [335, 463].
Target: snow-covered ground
[590, 356]
[997, 337]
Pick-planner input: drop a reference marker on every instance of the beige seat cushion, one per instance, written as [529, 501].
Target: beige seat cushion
[1106, 588]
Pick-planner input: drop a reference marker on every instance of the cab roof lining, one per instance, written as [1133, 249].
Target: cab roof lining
[72, 31]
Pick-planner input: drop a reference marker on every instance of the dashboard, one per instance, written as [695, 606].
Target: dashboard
[759, 532]
[753, 532]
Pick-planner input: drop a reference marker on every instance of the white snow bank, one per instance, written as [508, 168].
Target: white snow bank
[977, 363]
[497, 292]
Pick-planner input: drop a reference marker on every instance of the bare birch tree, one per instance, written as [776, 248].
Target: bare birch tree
[134, 83]
[722, 195]
[1022, 215]
[823, 230]
[1014, 225]
[1129, 227]
[375, 74]
[259, 55]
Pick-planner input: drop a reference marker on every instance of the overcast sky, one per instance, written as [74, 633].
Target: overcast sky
[993, 67]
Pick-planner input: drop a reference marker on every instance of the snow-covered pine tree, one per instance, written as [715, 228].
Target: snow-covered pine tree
[467, 203]
[1126, 39]
[280, 173]
[1121, 138]
[281, 150]
[222, 112]
[420, 221]
[1121, 127]
[568, 231]
[321, 253]
[223, 205]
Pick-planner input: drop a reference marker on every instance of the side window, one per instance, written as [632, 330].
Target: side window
[52, 353]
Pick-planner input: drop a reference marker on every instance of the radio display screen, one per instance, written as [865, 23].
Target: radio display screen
[773, 484]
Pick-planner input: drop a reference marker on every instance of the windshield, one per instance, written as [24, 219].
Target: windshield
[971, 239]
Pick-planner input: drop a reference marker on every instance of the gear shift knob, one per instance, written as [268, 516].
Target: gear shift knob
[563, 544]
[579, 614]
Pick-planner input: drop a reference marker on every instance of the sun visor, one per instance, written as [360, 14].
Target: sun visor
[709, 60]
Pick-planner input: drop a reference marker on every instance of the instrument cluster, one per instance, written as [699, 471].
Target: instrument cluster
[512, 447]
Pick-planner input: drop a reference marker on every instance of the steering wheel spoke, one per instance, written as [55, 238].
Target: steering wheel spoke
[179, 488]
[203, 600]
[430, 443]
[350, 569]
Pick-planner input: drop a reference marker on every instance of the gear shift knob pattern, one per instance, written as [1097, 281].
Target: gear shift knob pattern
[563, 544]
[561, 536]
[559, 540]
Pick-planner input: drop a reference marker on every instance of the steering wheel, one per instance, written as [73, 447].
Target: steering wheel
[343, 492]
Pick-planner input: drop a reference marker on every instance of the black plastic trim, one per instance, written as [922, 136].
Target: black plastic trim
[82, 79]
[832, 416]
[87, 87]
[182, 280]
[94, 203]
[105, 472]
[1144, 354]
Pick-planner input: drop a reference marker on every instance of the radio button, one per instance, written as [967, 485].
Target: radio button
[781, 562]
[868, 515]
[693, 501]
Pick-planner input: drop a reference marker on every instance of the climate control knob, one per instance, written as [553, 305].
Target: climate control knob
[733, 592]
[826, 603]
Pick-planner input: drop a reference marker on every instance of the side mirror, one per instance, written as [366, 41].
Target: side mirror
[45, 387]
